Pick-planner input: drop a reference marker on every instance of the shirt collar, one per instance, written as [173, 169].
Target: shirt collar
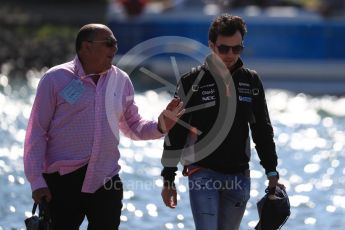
[79, 71]
[78, 68]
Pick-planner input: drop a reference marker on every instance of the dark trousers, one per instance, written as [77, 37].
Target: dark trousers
[69, 205]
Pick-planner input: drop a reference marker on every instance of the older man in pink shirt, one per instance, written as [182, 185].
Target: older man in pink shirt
[71, 145]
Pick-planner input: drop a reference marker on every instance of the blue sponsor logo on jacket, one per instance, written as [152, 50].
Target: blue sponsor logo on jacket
[245, 99]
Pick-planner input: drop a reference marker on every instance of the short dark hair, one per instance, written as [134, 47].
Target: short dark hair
[226, 25]
[86, 33]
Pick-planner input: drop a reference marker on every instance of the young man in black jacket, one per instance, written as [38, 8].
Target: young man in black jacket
[222, 100]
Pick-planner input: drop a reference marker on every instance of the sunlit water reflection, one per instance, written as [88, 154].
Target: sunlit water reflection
[310, 141]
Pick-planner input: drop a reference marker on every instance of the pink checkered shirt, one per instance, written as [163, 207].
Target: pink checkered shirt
[63, 136]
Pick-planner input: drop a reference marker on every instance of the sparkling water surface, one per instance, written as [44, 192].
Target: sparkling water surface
[310, 139]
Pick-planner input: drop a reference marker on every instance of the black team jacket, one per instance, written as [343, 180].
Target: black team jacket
[233, 153]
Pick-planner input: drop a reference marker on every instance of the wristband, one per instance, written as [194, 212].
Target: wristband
[272, 173]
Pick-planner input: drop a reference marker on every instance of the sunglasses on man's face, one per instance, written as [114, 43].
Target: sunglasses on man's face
[109, 42]
[224, 49]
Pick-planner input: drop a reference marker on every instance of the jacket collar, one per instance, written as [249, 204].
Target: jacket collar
[238, 64]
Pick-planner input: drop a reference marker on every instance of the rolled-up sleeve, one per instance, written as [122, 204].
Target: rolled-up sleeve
[131, 123]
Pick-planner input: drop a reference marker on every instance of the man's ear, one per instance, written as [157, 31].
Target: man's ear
[84, 49]
[85, 45]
